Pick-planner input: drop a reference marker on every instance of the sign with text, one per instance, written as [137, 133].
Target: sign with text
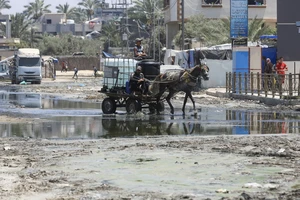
[238, 18]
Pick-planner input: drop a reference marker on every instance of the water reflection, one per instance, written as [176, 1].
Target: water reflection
[77, 119]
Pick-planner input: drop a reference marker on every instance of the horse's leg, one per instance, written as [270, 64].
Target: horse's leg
[184, 103]
[189, 94]
[168, 99]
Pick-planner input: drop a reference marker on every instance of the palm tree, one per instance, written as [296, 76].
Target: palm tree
[257, 28]
[4, 4]
[79, 15]
[20, 26]
[69, 11]
[90, 6]
[36, 9]
[111, 35]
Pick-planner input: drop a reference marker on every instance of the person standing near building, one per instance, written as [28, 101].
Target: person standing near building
[280, 69]
[75, 73]
[268, 72]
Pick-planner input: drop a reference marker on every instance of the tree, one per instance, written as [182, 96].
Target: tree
[69, 11]
[90, 6]
[79, 15]
[4, 4]
[36, 9]
[217, 31]
[111, 35]
[20, 26]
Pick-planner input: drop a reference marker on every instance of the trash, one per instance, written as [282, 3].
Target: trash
[6, 148]
[271, 186]
[281, 150]
[252, 185]
[23, 83]
[222, 191]
[81, 85]
[69, 87]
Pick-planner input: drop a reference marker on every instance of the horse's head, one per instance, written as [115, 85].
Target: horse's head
[200, 70]
[204, 71]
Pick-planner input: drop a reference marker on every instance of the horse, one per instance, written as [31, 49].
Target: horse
[178, 80]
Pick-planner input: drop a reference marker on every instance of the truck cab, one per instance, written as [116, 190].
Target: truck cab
[27, 66]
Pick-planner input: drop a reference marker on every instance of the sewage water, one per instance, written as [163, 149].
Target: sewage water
[69, 119]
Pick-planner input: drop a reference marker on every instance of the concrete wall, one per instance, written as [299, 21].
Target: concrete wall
[288, 34]
[80, 62]
[217, 73]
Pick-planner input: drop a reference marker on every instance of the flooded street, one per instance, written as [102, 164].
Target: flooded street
[58, 146]
[80, 119]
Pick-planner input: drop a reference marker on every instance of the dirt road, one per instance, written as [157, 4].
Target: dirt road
[162, 167]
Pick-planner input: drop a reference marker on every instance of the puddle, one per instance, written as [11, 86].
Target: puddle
[78, 119]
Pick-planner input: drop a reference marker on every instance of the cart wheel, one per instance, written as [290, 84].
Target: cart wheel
[133, 106]
[109, 106]
[152, 108]
[161, 106]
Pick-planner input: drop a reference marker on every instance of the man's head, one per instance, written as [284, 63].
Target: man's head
[138, 40]
[139, 69]
[281, 59]
[268, 60]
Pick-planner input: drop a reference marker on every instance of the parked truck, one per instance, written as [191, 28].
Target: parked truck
[27, 66]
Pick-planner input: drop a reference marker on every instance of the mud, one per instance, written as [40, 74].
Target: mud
[157, 167]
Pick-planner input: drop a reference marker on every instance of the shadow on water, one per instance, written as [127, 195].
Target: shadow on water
[79, 119]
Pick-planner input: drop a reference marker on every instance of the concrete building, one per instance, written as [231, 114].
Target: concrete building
[57, 23]
[6, 41]
[288, 32]
[214, 9]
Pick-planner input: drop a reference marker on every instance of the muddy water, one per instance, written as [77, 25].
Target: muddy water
[78, 119]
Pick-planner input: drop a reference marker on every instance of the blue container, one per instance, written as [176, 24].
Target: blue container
[240, 64]
[127, 89]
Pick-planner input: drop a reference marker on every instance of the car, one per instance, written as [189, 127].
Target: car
[4, 75]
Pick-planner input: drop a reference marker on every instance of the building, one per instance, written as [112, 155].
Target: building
[6, 41]
[214, 9]
[57, 23]
[287, 31]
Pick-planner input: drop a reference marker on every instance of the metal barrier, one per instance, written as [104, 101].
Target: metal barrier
[268, 85]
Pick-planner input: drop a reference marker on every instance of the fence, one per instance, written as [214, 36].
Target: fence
[268, 85]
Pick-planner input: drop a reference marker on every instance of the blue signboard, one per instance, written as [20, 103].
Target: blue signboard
[238, 18]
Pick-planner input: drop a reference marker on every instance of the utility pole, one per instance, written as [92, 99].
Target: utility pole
[182, 24]
[153, 22]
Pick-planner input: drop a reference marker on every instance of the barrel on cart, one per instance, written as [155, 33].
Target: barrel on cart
[116, 87]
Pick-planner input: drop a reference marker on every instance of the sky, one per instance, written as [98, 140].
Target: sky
[18, 5]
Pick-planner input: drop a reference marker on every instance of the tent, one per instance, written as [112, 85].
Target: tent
[107, 55]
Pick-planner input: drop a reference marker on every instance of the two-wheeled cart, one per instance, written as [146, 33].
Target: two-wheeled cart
[117, 72]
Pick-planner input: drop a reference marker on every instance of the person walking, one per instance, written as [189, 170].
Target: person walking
[75, 73]
[95, 71]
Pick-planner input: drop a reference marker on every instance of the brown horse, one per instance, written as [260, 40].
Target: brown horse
[178, 80]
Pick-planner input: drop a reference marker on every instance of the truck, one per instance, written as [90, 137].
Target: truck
[27, 66]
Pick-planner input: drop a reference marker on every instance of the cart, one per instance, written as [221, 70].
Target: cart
[117, 72]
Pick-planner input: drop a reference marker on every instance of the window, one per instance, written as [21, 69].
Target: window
[256, 2]
[211, 3]
[48, 21]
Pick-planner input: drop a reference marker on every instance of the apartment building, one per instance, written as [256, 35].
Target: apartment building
[57, 23]
[214, 9]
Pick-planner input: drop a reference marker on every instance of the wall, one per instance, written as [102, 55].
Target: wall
[217, 73]
[288, 35]
[80, 62]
